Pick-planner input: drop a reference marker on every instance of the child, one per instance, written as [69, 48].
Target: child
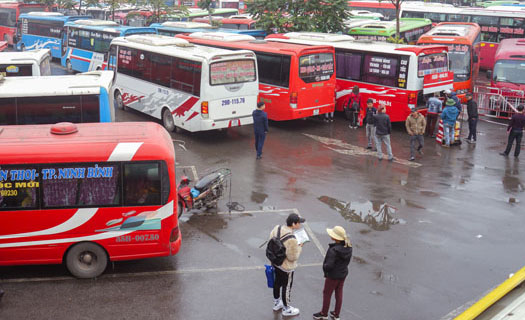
[335, 267]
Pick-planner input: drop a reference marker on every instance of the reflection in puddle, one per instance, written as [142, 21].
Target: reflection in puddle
[429, 193]
[258, 197]
[377, 215]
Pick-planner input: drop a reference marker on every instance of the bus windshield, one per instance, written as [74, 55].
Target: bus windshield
[233, 71]
[459, 61]
[512, 71]
[432, 63]
[316, 67]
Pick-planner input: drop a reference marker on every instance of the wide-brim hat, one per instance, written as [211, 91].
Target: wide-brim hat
[450, 102]
[337, 233]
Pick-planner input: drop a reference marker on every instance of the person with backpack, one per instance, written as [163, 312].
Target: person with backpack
[354, 105]
[283, 239]
[335, 268]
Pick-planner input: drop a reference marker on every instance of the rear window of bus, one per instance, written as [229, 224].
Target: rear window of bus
[432, 63]
[233, 71]
[16, 70]
[316, 67]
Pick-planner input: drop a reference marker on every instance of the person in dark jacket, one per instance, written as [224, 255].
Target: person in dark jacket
[260, 127]
[452, 95]
[515, 130]
[383, 129]
[370, 123]
[335, 268]
[472, 111]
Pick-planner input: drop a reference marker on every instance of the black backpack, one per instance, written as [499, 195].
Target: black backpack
[275, 250]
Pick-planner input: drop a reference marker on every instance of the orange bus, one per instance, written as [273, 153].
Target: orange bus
[295, 81]
[463, 41]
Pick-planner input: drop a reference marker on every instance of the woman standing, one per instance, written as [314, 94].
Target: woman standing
[335, 267]
[354, 106]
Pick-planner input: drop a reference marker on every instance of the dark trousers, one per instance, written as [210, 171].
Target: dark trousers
[514, 135]
[283, 281]
[353, 118]
[331, 285]
[418, 138]
[259, 142]
[432, 119]
[472, 125]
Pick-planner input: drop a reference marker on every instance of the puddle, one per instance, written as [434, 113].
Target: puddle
[411, 204]
[377, 215]
[429, 193]
[359, 260]
[259, 197]
[364, 231]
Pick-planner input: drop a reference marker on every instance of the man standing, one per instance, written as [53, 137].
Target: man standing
[284, 273]
[370, 123]
[449, 116]
[434, 107]
[515, 130]
[415, 125]
[260, 127]
[472, 111]
[383, 130]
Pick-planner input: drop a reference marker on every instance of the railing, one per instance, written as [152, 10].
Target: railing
[496, 102]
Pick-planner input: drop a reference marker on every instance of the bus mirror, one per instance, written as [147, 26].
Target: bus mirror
[475, 59]
[489, 74]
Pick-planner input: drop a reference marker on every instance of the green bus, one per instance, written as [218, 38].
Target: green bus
[409, 30]
[194, 13]
[487, 4]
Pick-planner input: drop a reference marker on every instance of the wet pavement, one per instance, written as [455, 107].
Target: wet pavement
[429, 236]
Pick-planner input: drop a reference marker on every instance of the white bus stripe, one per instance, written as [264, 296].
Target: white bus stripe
[124, 151]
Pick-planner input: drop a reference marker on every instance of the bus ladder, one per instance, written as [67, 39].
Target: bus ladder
[496, 102]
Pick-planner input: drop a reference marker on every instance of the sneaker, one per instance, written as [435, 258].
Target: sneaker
[290, 311]
[369, 147]
[412, 159]
[391, 159]
[473, 141]
[277, 304]
[319, 315]
[333, 316]
[503, 154]
[446, 146]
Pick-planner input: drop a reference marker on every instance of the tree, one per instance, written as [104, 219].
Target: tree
[299, 15]
[207, 5]
[397, 5]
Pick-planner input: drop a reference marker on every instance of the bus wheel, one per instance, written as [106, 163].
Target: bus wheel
[119, 103]
[86, 260]
[69, 67]
[180, 209]
[167, 120]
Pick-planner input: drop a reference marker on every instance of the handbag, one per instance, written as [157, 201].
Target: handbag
[270, 275]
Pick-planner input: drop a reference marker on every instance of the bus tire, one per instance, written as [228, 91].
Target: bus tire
[167, 120]
[69, 66]
[119, 103]
[180, 209]
[86, 260]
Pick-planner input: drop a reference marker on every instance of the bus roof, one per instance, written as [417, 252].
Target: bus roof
[250, 43]
[237, 20]
[183, 25]
[82, 83]
[517, 13]
[24, 56]
[51, 16]
[452, 32]
[109, 26]
[389, 27]
[512, 48]
[92, 142]
[173, 46]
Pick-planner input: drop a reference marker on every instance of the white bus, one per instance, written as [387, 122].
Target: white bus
[400, 77]
[186, 86]
[51, 99]
[28, 63]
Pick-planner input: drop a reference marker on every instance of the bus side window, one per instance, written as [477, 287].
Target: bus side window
[142, 184]
[8, 114]
[112, 60]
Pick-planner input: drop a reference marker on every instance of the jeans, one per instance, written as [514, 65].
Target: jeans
[472, 125]
[413, 139]
[386, 139]
[432, 119]
[370, 133]
[283, 280]
[259, 143]
[329, 115]
[448, 133]
[514, 135]
[331, 285]
[353, 119]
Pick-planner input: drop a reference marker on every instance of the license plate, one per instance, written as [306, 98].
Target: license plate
[316, 112]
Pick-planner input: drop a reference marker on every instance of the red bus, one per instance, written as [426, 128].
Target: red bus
[463, 41]
[239, 22]
[9, 12]
[86, 194]
[295, 81]
[509, 68]
[400, 77]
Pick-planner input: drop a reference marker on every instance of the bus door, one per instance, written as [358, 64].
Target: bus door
[315, 70]
[63, 45]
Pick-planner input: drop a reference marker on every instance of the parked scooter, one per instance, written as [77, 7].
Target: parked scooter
[206, 192]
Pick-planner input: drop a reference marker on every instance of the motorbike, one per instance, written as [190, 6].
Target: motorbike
[204, 194]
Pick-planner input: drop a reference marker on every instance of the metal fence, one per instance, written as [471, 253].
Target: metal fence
[496, 102]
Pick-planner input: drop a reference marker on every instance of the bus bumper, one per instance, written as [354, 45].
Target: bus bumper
[304, 112]
[213, 124]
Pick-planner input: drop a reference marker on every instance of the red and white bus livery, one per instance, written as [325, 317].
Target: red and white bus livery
[86, 194]
[396, 76]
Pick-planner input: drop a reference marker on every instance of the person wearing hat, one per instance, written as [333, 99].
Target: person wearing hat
[449, 116]
[284, 273]
[260, 127]
[415, 125]
[335, 268]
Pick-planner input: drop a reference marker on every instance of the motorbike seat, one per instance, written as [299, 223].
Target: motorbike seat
[207, 180]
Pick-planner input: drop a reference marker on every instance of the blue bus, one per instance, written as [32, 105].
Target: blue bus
[88, 43]
[43, 30]
[172, 28]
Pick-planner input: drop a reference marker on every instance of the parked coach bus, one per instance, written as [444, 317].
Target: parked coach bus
[186, 86]
[43, 30]
[87, 194]
[399, 77]
[88, 43]
[410, 29]
[296, 81]
[172, 28]
[509, 69]
[52, 99]
[30, 63]
[463, 41]
[9, 13]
